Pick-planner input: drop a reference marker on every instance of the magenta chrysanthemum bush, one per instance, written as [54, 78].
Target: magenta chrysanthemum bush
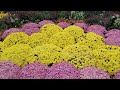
[82, 25]
[29, 26]
[10, 31]
[63, 24]
[113, 33]
[98, 29]
[117, 75]
[42, 23]
[62, 70]
[30, 31]
[8, 70]
[92, 73]
[33, 71]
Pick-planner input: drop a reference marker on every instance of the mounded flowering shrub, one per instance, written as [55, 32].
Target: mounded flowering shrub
[79, 55]
[16, 38]
[93, 73]
[33, 71]
[113, 33]
[42, 23]
[98, 29]
[10, 31]
[17, 54]
[62, 70]
[108, 59]
[93, 37]
[63, 24]
[50, 29]
[30, 31]
[2, 47]
[38, 39]
[62, 39]
[117, 75]
[113, 40]
[75, 31]
[46, 54]
[29, 26]
[8, 70]
[82, 25]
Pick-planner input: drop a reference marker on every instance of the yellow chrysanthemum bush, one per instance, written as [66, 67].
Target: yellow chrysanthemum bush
[46, 54]
[108, 58]
[79, 55]
[2, 47]
[16, 38]
[38, 39]
[76, 31]
[62, 39]
[17, 54]
[50, 29]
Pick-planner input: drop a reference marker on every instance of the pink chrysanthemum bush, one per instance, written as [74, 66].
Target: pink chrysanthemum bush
[98, 29]
[42, 23]
[62, 70]
[92, 73]
[82, 25]
[9, 70]
[63, 24]
[10, 31]
[33, 71]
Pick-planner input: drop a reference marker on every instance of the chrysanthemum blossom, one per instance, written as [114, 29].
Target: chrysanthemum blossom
[33, 71]
[62, 70]
[98, 29]
[17, 54]
[82, 25]
[50, 29]
[16, 38]
[10, 31]
[93, 73]
[29, 26]
[42, 23]
[30, 31]
[8, 70]
[63, 24]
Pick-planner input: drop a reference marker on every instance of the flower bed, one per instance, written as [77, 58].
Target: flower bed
[60, 51]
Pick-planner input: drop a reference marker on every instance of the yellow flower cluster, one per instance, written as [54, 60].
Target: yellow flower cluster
[50, 29]
[16, 38]
[38, 39]
[2, 47]
[79, 55]
[46, 54]
[108, 58]
[17, 54]
[2, 14]
[75, 31]
[62, 39]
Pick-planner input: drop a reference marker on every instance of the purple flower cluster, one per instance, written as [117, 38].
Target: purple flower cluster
[62, 70]
[10, 31]
[92, 73]
[42, 23]
[33, 71]
[30, 31]
[63, 24]
[98, 29]
[82, 25]
[113, 33]
[30, 28]
[8, 70]
[30, 25]
[117, 75]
